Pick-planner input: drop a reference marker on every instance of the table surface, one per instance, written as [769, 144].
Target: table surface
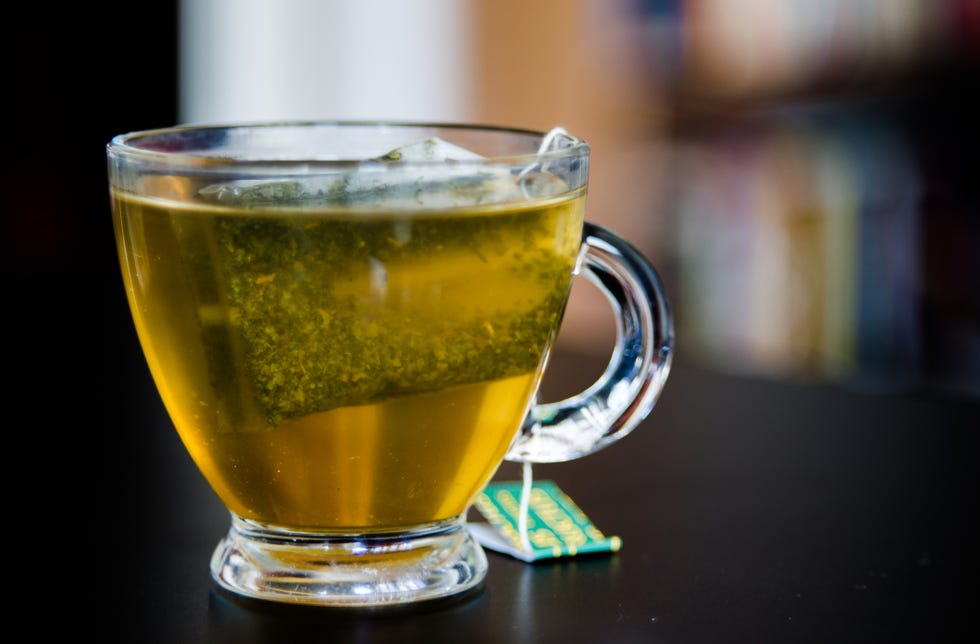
[750, 510]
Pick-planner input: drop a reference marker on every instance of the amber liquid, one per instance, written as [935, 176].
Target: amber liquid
[341, 371]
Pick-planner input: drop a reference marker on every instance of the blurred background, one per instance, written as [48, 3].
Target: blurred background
[801, 173]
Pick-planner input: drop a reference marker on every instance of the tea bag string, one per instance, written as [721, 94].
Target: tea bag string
[557, 138]
[526, 486]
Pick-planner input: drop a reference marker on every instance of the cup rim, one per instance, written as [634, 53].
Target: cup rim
[125, 144]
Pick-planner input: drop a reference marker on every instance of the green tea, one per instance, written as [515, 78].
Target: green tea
[347, 367]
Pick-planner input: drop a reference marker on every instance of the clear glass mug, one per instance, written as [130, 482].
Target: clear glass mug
[348, 324]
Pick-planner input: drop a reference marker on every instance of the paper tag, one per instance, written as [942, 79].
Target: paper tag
[556, 527]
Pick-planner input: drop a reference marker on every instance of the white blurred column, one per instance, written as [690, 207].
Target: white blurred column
[324, 59]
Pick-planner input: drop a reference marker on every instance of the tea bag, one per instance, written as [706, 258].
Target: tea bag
[430, 149]
[346, 310]
[431, 173]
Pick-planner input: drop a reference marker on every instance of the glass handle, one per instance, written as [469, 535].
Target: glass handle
[631, 383]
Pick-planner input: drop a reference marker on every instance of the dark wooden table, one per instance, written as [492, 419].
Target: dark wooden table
[750, 510]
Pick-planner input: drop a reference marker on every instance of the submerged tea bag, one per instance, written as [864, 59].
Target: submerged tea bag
[410, 272]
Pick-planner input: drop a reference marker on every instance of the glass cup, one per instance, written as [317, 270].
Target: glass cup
[348, 324]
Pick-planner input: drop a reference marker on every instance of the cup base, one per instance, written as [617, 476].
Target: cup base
[388, 569]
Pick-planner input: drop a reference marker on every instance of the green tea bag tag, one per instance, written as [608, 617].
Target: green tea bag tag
[553, 526]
